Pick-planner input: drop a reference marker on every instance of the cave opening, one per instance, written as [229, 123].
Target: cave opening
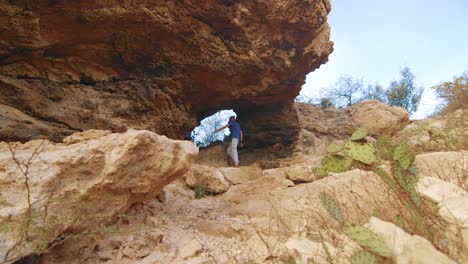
[204, 135]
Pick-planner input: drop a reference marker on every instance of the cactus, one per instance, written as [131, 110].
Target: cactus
[320, 172]
[336, 163]
[363, 152]
[368, 239]
[359, 134]
[384, 148]
[334, 148]
[363, 257]
[403, 156]
[332, 206]
[417, 218]
[398, 221]
[386, 178]
[407, 181]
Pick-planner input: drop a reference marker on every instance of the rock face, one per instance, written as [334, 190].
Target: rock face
[84, 183]
[159, 65]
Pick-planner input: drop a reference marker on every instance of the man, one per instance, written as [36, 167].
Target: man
[236, 135]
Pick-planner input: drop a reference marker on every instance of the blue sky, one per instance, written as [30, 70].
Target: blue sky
[374, 39]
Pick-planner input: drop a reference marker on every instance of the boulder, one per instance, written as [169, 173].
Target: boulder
[209, 178]
[453, 208]
[48, 190]
[379, 118]
[407, 248]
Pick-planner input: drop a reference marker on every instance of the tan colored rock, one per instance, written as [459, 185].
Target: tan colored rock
[407, 248]
[189, 248]
[80, 186]
[449, 166]
[303, 172]
[453, 208]
[241, 174]
[210, 178]
[379, 118]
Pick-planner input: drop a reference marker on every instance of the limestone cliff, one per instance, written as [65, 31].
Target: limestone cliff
[67, 66]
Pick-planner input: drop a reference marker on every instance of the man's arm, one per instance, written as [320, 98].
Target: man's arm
[221, 128]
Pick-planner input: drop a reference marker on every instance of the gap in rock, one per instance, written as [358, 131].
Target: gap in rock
[203, 135]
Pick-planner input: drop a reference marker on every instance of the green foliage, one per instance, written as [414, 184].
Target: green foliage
[333, 148]
[200, 191]
[363, 257]
[404, 92]
[359, 134]
[368, 239]
[363, 152]
[336, 163]
[332, 206]
[320, 172]
[403, 155]
[454, 94]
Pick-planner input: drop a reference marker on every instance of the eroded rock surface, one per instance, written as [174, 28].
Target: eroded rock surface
[156, 65]
[82, 184]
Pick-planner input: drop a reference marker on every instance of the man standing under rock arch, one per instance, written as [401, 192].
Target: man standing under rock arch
[236, 135]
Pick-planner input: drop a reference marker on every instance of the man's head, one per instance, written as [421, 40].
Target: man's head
[232, 118]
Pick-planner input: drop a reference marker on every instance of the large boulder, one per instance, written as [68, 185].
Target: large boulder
[379, 118]
[50, 190]
[207, 179]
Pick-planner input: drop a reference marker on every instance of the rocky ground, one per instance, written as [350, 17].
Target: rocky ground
[88, 88]
[268, 211]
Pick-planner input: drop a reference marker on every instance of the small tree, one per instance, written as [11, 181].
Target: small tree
[376, 92]
[454, 94]
[346, 92]
[404, 92]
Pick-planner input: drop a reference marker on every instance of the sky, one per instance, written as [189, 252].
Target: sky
[374, 39]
